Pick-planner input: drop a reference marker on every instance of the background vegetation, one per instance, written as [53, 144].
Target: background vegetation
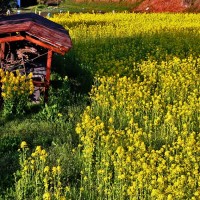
[83, 7]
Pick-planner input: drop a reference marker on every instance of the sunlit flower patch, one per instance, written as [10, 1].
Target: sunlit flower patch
[140, 136]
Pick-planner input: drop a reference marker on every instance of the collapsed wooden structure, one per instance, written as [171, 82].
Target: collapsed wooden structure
[27, 43]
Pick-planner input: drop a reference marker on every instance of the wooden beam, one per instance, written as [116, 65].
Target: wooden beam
[48, 68]
[2, 51]
[1, 98]
[2, 55]
[33, 40]
[48, 74]
[11, 39]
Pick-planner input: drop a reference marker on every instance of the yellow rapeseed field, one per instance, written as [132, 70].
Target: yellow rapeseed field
[110, 43]
[139, 136]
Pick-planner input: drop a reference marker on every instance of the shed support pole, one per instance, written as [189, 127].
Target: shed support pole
[2, 56]
[48, 74]
[2, 51]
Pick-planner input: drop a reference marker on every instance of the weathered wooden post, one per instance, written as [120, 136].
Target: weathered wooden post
[2, 54]
[48, 73]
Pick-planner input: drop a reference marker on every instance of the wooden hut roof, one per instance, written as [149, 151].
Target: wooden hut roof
[36, 29]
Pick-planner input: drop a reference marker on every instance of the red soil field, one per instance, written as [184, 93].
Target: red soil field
[168, 6]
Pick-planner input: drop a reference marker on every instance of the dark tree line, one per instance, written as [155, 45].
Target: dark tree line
[7, 4]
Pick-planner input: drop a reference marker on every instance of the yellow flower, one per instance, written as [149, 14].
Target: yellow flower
[60, 115]
[33, 154]
[78, 129]
[46, 169]
[3, 80]
[110, 120]
[43, 158]
[15, 88]
[43, 152]
[23, 145]
[46, 196]
[32, 161]
[67, 189]
[25, 168]
[54, 170]
[3, 94]
[38, 149]
[30, 75]
[121, 176]
[58, 169]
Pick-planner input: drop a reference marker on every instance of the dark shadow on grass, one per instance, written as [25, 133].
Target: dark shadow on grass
[80, 79]
[9, 146]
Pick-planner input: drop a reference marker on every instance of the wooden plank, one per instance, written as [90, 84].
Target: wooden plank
[57, 39]
[12, 27]
[31, 17]
[48, 68]
[11, 39]
[48, 74]
[2, 51]
[39, 83]
[42, 44]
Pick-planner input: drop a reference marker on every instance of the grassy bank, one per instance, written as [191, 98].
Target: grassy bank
[82, 7]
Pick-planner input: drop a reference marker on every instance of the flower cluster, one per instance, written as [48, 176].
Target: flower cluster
[16, 89]
[140, 137]
[15, 84]
[36, 179]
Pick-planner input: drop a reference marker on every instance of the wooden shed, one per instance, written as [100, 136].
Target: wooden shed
[28, 41]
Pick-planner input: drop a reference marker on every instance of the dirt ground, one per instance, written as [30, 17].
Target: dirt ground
[168, 6]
